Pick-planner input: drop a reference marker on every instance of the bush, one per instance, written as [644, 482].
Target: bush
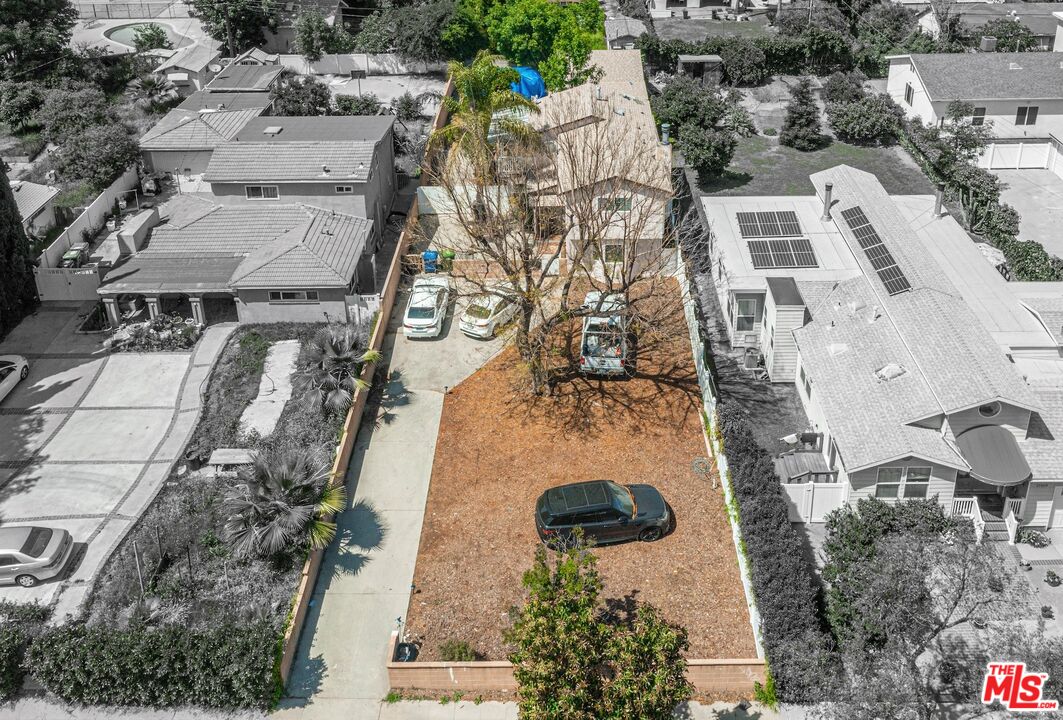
[407, 106]
[227, 667]
[800, 129]
[1034, 538]
[12, 644]
[97, 155]
[457, 651]
[844, 87]
[166, 332]
[744, 63]
[874, 118]
[367, 104]
[707, 150]
[786, 592]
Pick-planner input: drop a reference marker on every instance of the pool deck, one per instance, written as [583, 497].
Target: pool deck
[92, 33]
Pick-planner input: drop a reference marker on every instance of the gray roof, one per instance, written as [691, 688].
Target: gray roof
[1043, 444]
[624, 27]
[245, 78]
[336, 65]
[333, 128]
[159, 273]
[291, 162]
[784, 291]
[194, 57]
[192, 130]
[31, 197]
[203, 100]
[1037, 17]
[990, 76]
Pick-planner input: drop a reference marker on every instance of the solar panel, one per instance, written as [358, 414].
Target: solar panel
[747, 225]
[782, 253]
[788, 222]
[768, 224]
[803, 255]
[877, 253]
[761, 254]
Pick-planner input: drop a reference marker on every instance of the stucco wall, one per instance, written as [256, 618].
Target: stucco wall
[253, 306]
[900, 74]
[193, 162]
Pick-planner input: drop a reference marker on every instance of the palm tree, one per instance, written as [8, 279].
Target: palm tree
[151, 91]
[336, 356]
[280, 504]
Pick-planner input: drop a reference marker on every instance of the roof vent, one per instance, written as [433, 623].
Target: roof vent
[836, 349]
[855, 306]
[272, 130]
[1014, 66]
[890, 371]
[873, 315]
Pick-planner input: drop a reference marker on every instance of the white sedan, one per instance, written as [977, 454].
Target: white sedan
[427, 309]
[487, 312]
[13, 370]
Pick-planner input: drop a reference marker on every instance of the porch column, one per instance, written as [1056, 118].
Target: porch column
[113, 316]
[153, 306]
[197, 309]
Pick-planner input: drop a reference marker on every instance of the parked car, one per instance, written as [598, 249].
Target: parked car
[604, 342]
[427, 308]
[30, 554]
[13, 370]
[607, 512]
[76, 256]
[487, 312]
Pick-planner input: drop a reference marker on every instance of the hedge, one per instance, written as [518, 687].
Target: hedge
[12, 643]
[797, 645]
[227, 667]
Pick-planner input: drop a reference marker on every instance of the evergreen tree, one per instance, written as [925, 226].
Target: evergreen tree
[800, 129]
[18, 293]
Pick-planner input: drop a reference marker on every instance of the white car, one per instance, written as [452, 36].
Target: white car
[13, 370]
[487, 312]
[427, 309]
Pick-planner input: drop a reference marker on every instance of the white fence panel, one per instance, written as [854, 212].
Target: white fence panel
[92, 218]
[60, 284]
[812, 502]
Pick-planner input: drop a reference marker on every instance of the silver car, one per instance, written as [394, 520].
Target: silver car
[604, 342]
[30, 554]
[487, 312]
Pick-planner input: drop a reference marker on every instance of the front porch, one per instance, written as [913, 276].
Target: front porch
[997, 512]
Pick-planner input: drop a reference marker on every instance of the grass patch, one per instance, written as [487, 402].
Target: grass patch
[693, 30]
[763, 167]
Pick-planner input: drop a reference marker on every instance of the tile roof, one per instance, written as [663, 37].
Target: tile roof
[225, 231]
[290, 162]
[333, 128]
[203, 100]
[990, 76]
[192, 130]
[31, 197]
[247, 78]
[194, 57]
[148, 273]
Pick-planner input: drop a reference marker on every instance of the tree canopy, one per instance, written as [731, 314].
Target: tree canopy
[18, 292]
[32, 34]
[315, 37]
[237, 23]
[301, 95]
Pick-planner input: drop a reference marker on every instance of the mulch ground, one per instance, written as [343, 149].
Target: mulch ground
[498, 450]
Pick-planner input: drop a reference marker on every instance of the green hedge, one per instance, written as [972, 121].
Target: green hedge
[227, 667]
[12, 644]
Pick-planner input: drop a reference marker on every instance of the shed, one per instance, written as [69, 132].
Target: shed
[707, 68]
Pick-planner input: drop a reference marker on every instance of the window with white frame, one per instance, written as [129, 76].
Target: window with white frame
[293, 296]
[888, 486]
[261, 192]
[916, 482]
[909, 93]
[978, 118]
[806, 381]
[614, 204]
[747, 315]
[911, 482]
[345, 189]
[1026, 115]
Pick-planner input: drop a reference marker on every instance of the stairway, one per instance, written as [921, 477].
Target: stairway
[995, 527]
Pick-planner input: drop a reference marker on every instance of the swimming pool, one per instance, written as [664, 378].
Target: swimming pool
[124, 34]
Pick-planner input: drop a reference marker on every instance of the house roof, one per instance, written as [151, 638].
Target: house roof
[245, 78]
[1043, 444]
[291, 162]
[990, 76]
[334, 128]
[203, 100]
[158, 273]
[257, 55]
[194, 57]
[1037, 17]
[784, 292]
[31, 197]
[623, 27]
[192, 130]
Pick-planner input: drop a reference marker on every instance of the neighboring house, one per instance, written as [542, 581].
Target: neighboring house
[35, 205]
[256, 56]
[192, 67]
[621, 33]
[204, 100]
[1036, 17]
[341, 163]
[184, 140]
[281, 263]
[245, 79]
[1021, 94]
[922, 371]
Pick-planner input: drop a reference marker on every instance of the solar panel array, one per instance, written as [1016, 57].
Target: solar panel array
[782, 253]
[768, 224]
[877, 253]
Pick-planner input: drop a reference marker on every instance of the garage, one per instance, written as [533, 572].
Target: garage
[1016, 155]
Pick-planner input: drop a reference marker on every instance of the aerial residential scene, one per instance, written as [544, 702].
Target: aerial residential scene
[538, 359]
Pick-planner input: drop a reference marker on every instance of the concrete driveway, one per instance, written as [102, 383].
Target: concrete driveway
[1038, 196]
[88, 438]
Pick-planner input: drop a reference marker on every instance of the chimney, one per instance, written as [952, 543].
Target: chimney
[665, 127]
[827, 189]
[939, 199]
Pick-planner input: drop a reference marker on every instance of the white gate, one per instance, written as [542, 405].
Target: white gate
[67, 283]
[812, 502]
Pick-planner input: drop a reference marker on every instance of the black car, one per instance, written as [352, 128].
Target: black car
[607, 512]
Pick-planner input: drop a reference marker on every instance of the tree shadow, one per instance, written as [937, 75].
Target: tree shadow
[622, 610]
[307, 683]
[359, 530]
[727, 180]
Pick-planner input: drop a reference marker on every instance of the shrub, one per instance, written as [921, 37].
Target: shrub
[457, 651]
[844, 87]
[97, 155]
[150, 36]
[407, 106]
[71, 109]
[227, 667]
[367, 104]
[800, 129]
[1029, 261]
[874, 118]
[12, 643]
[1052, 578]
[744, 62]
[707, 150]
[19, 103]
[786, 592]
[1034, 538]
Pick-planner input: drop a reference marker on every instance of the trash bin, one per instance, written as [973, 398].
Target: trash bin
[431, 261]
[447, 260]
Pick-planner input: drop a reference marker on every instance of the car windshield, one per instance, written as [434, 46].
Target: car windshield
[421, 313]
[479, 310]
[36, 542]
[622, 499]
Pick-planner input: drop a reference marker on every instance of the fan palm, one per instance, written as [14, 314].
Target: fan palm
[151, 90]
[336, 356]
[281, 503]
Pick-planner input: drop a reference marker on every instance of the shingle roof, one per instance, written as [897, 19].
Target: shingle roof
[194, 57]
[203, 100]
[31, 197]
[290, 162]
[990, 76]
[191, 130]
[1043, 445]
[246, 78]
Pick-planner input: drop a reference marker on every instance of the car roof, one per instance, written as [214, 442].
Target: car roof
[11, 359]
[424, 296]
[578, 496]
[13, 538]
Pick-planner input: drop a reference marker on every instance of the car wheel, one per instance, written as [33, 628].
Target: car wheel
[650, 534]
[25, 372]
[26, 581]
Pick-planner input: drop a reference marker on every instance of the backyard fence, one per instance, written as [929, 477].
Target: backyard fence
[131, 10]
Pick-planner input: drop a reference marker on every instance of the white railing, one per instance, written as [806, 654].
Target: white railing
[979, 521]
[963, 507]
[1013, 517]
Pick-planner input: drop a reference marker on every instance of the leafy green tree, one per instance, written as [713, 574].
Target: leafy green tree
[685, 100]
[18, 291]
[744, 62]
[845, 87]
[97, 155]
[882, 31]
[408, 106]
[364, 104]
[420, 30]
[301, 95]
[314, 36]
[964, 140]
[794, 21]
[70, 109]
[281, 503]
[707, 150]
[1011, 35]
[332, 373]
[874, 118]
[150, 36]
[377, 34]
[465, 35]
[19, 102]
[32, 34]
[800, 128]
[238, 24]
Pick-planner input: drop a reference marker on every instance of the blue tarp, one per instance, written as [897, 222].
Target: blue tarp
[531, 83]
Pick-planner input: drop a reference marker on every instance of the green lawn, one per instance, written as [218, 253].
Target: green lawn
[693, 30]
[763, 167]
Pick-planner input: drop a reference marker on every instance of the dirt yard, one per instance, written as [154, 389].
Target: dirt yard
[498, 451]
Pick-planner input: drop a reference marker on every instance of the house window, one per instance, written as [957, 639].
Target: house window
[909, 93]
[1026, 115]
[806, 381]
[613, 253]
[747, 315]
[345, 189]
[261, 192]
[614, 204]
[889, 483]
[292, 296]
[916, 482]
[978, 118]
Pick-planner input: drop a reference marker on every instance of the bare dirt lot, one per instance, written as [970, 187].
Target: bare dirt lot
[498, 450]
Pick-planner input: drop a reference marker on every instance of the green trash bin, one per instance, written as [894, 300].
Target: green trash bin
[447, 260]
